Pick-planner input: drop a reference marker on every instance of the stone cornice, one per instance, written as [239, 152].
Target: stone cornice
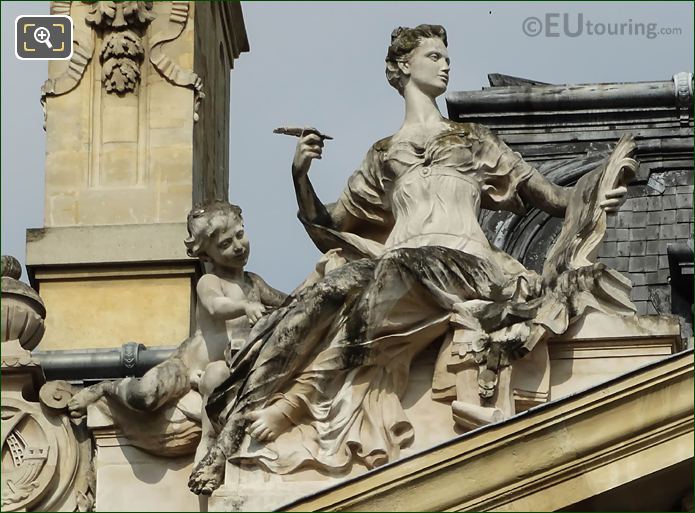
[548, 458]
[68, 245]
[529, 105]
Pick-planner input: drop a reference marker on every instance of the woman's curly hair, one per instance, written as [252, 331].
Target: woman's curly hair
[204, 220]
[403, 41]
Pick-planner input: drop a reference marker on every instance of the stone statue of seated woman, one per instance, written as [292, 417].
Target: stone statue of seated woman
[320, 380]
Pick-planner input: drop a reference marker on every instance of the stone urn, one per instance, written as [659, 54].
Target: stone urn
[23, 311]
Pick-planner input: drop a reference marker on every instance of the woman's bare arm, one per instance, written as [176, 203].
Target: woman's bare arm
[545, 195]
[311, 209]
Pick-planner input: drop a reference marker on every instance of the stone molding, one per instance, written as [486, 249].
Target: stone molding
[76, 245]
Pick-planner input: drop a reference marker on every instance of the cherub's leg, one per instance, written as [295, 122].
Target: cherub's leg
[167, 381]
[208, 474]
[214, 375]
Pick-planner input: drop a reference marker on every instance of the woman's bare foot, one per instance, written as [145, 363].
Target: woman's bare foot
[77, 406]
[268, 423]
[208, 474]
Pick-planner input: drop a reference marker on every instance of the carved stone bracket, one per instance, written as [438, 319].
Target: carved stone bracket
[55, 396]
[46, 461]
[683, 85]
[30, 455]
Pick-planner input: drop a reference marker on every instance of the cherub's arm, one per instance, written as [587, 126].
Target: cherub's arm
[218, 305]
[269, 296]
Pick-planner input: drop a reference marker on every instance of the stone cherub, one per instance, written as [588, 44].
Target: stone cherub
[320, 381]
[230, 301]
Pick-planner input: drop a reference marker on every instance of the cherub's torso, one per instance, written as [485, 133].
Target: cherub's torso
[219, 333]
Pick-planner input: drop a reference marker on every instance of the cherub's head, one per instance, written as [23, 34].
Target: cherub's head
[216, 234]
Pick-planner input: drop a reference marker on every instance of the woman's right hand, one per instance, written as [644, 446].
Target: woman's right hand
[310, 146]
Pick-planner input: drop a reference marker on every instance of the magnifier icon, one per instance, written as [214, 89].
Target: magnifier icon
[43, 36]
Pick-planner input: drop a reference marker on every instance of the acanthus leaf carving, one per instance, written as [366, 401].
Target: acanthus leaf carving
[121, 56]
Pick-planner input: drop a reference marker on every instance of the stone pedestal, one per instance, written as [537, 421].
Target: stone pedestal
[107, 285]
[600, 347]
[137, 128]
[596, 349]
[129, 479]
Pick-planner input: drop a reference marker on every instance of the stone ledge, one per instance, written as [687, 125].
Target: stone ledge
[599, 326]
[114, 244]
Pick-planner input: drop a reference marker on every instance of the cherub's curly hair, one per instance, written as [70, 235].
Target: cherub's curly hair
[403, 41]
[204, 220]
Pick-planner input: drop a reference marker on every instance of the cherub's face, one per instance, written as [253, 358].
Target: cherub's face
[229, 246]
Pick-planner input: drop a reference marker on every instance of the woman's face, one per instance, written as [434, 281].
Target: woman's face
[428, 67]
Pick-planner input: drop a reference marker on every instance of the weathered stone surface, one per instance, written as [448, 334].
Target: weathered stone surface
[162, 413]
[107, 245]
[325, 409]
[124, 158]
[317, 393]
[45, 460]
[23, 310]
[149, 304]
[138, 276]
[540, 459]
[664, 148]
[100, 138]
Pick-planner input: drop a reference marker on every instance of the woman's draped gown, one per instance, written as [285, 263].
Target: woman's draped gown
[340, 350]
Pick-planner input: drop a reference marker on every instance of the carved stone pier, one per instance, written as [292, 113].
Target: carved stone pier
[137, 128]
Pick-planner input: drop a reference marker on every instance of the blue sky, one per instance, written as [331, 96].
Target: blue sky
[322, 64]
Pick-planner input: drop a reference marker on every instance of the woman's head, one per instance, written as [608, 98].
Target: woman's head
[406, 43]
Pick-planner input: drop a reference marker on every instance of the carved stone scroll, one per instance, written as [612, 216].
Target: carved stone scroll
[174, 73]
